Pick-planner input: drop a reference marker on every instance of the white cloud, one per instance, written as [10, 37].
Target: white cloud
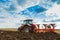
[10, 21]
[53, 12]
[14, 21]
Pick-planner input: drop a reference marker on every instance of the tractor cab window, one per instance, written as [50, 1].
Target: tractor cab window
[27, 21]
[30, 22]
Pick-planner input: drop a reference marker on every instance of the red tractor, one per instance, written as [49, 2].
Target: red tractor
[27, 26]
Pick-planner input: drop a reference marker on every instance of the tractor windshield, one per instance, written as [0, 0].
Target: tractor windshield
[27, 21]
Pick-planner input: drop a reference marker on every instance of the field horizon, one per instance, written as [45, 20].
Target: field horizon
[15, 29]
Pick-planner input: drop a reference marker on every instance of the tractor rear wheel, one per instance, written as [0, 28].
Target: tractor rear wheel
[28, 29]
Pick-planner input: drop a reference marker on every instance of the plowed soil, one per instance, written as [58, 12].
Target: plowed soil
[15, 35]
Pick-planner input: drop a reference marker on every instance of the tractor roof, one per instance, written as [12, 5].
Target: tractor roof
[28, 20]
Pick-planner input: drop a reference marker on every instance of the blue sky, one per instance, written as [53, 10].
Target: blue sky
[13, 11]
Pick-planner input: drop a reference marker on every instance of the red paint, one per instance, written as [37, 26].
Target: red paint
[36, 27]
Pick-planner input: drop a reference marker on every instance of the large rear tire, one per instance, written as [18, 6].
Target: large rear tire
[26, 29]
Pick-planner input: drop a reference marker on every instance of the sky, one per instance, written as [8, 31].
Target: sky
[13, 12]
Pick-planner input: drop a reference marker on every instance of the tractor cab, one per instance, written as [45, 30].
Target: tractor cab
[27, 21]
[26, 27]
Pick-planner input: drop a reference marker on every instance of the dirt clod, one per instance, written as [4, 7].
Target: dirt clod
[10, 35]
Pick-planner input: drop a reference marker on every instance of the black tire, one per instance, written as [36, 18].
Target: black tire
[28, 29]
